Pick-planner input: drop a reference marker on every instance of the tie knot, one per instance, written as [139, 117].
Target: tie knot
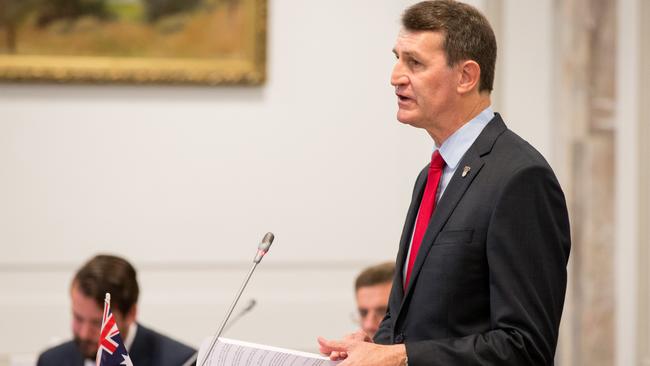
[437, 162]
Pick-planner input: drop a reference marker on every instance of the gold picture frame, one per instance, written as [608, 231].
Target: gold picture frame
[243, 63]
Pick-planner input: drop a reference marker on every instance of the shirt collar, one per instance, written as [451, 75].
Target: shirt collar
[128, 342]
[453, 149]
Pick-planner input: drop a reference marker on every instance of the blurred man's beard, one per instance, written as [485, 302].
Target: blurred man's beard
[88, 349]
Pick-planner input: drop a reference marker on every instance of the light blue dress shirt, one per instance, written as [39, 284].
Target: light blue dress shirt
[456, 145]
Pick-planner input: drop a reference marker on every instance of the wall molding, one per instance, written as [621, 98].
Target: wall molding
[185, 266]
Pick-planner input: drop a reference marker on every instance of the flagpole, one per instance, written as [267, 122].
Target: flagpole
[107, 304]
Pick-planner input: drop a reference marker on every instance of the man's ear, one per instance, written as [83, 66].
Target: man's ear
[469, 77]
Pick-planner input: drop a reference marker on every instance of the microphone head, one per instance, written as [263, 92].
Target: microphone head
[264, 247]
[251, 304]
[267, 240]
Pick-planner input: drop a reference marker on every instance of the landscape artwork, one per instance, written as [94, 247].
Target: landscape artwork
[133, 41]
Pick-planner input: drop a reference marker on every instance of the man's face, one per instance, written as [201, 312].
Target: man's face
[372, 302]
[87, 322]
[425, 86]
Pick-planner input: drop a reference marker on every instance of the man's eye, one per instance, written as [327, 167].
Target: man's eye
[363, 313]
[413, 62]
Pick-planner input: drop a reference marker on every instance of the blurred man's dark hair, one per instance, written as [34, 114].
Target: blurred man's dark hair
[375, 275]
[107, 273]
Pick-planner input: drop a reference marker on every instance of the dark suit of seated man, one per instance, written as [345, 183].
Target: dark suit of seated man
[146, 347]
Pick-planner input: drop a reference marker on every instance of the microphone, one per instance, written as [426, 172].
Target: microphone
[262, 249]
[251, 304]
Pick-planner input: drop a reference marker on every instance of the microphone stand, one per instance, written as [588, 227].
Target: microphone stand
[251, 304]
[261, 251]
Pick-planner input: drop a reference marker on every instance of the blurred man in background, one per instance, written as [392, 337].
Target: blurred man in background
[372, 288]
[102, 274]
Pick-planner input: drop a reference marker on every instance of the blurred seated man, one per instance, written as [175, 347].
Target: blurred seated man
[105, 273]
[372, 288]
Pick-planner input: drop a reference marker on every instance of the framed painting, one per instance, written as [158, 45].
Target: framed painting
[134, 41]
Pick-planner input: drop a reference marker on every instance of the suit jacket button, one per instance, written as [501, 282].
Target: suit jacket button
[399, 338]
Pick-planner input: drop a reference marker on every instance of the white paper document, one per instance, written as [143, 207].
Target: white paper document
[230, 352]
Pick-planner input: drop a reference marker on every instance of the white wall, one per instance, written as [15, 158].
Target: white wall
[526, 53]
[184, 181]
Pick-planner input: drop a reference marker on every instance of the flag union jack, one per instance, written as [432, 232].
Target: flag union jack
[111, 351]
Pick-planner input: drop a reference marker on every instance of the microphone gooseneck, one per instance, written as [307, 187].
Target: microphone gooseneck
[262, 249]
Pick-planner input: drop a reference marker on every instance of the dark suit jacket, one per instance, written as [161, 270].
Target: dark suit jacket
[488, 284]
[149, 348]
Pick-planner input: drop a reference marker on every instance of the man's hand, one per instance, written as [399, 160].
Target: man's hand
[357, 349]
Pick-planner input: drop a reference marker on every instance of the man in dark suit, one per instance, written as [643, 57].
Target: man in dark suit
[481, 267]
[105, 273]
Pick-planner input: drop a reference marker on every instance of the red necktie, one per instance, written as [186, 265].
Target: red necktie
[427, 205]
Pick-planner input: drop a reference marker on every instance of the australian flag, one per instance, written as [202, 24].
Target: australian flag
[111, 351]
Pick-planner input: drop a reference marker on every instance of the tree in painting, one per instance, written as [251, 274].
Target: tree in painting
[53, 10]
[156, 9]
[12, 14]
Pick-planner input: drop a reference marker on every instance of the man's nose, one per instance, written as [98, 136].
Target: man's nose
[398, 77]
[88, 332]
[370, 323]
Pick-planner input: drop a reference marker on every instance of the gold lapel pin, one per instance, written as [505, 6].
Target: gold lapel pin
[466, 170]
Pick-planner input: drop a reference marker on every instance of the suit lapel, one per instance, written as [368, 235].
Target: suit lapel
[448, 202]
[140, 351]
[454, 192]
[79, 359]
[405, 240]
